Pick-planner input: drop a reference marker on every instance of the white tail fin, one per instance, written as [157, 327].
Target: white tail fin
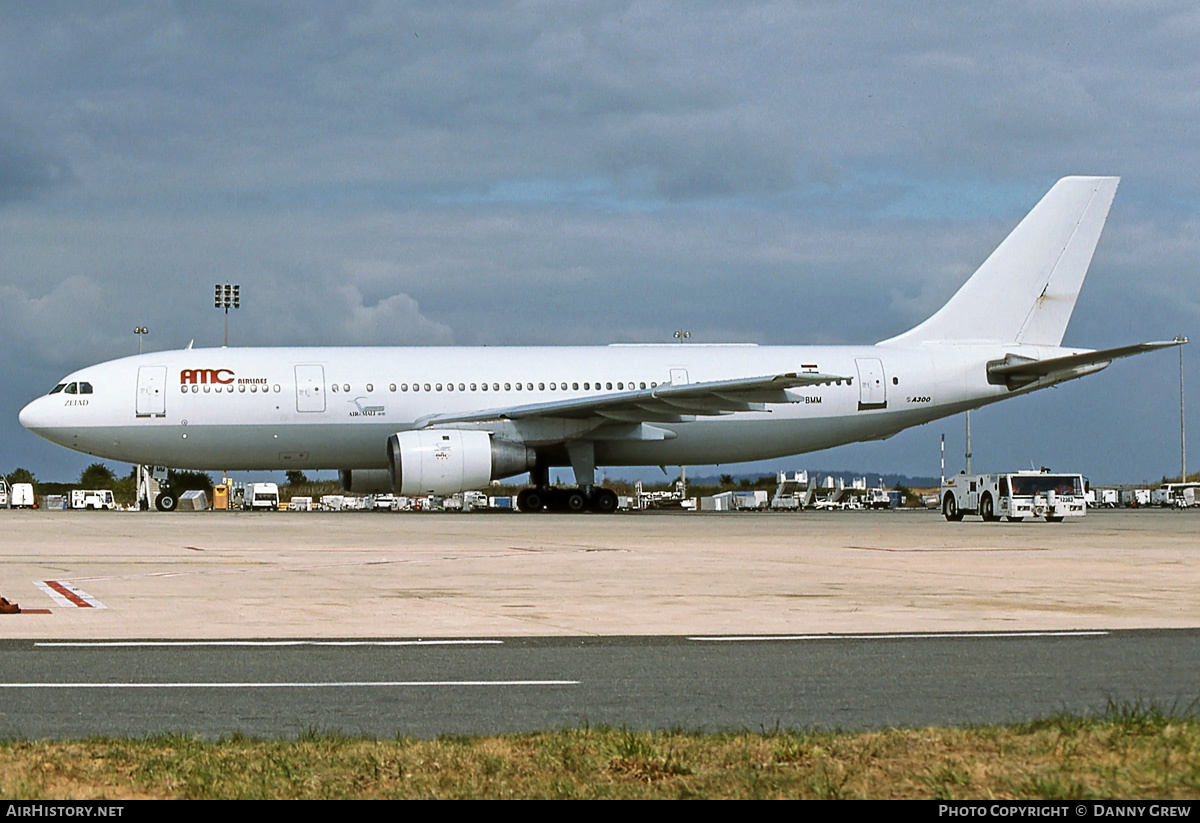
[1026, 290]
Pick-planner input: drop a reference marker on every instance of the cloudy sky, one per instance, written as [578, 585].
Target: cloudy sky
[545, 173]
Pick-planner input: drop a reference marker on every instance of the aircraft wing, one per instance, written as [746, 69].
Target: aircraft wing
[664, 403]
[1017, 371]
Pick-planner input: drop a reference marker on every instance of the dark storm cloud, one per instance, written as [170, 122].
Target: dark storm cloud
[578, 173]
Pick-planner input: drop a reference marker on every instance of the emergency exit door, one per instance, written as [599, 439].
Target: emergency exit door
[310, 388]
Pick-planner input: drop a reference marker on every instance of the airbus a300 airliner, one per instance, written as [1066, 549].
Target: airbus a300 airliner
[443, 420]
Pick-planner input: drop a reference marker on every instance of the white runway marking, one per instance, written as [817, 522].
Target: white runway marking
[260, 643]
[906, 636]
[350, 684]
[68, 595]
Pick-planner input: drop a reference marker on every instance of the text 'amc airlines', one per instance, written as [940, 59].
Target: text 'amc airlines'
[417, 421]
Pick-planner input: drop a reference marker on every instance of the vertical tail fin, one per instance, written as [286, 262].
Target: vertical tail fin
[1025, 291]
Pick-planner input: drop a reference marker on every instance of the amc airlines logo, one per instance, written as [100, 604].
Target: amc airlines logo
[207, 376]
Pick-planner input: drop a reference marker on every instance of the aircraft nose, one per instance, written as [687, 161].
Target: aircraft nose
[33, 416]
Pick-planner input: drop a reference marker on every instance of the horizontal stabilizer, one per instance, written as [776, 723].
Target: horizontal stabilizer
[1016, 371]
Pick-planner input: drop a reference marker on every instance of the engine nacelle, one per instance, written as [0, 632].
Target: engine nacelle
[449, 461]
[365, 481]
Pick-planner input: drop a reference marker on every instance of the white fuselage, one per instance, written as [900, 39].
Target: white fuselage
[316, 408]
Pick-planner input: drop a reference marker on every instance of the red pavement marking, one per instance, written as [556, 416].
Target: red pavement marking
[67, 593]
[34, 611]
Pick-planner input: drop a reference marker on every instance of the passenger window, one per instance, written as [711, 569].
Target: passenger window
[449, 387]
[462, 387]
[242, 387]
[608, 386]
[541, 386]
[370, 387]
[392, 387]
[574, 387]
[427, 387]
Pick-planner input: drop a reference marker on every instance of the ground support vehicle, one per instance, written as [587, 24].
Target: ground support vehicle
[1015, 495]
[94, 499]
[261, 497]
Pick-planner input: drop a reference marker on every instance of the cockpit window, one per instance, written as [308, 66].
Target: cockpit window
[72, 388]
[85, 388]
[58, 388]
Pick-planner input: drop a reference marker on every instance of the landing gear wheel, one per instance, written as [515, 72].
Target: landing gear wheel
[950, 509]
[986, 509]
[166, 501]
[531, 500]
[574, 501]
[604, 501]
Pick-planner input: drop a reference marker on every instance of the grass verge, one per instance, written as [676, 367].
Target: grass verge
[1132, 751]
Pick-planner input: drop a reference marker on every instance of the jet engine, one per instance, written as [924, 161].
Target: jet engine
[448, 461]
[365, 481]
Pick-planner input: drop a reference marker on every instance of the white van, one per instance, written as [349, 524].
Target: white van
[22, 496]
[261, 497]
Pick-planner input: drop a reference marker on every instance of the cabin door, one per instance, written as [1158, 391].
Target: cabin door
[872, 387]
[151, 391]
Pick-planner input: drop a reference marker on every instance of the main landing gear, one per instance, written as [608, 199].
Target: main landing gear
[586, 497]
[554, 499]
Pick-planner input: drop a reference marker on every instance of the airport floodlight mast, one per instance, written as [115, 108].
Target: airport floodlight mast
[140, 331]
[227, 297]
[1179, 338]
